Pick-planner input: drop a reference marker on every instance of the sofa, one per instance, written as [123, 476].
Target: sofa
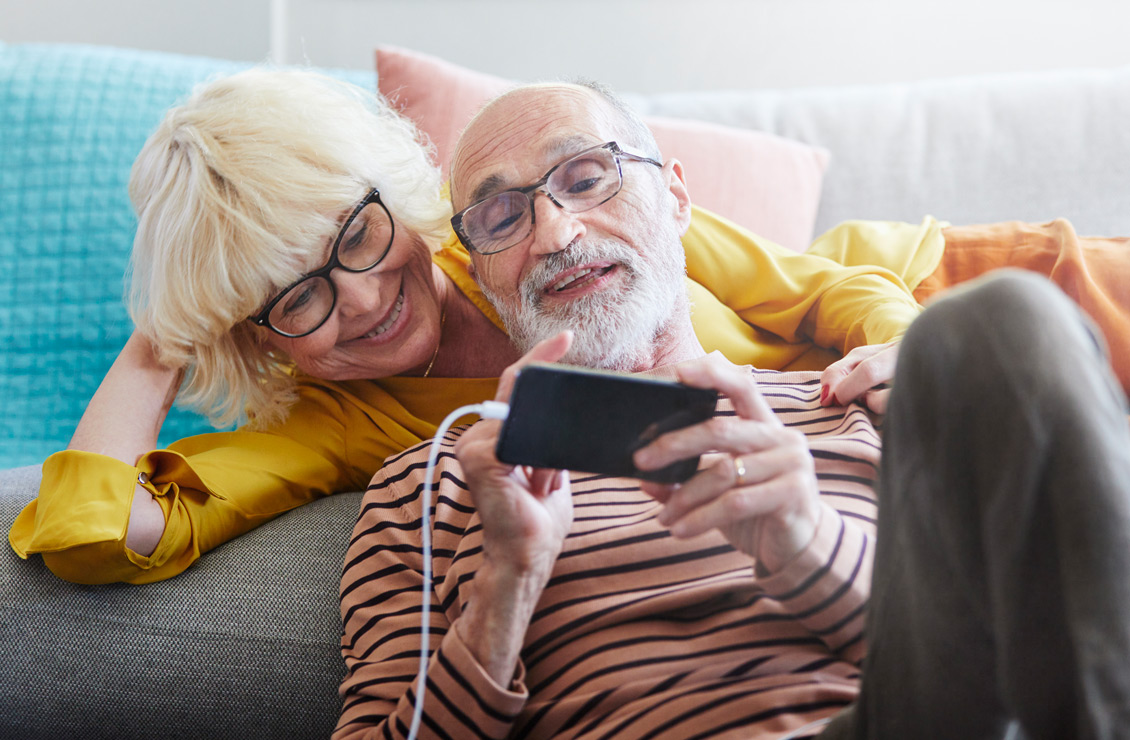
[246, 641]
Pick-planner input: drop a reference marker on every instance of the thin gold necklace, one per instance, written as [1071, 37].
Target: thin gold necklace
[442, 321]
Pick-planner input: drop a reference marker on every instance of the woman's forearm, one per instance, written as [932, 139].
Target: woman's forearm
[123, 420]
[125, 415]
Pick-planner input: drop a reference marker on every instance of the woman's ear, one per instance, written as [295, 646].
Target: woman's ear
[677, 184]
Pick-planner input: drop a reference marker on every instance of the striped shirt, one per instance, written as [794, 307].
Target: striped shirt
[637, 634]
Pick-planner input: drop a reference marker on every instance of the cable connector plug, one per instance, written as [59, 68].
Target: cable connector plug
[493, 409]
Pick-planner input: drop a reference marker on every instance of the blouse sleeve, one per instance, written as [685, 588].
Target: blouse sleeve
[211, 487]
[796, 297]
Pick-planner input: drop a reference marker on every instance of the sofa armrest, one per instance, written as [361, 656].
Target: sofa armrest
[245, 641]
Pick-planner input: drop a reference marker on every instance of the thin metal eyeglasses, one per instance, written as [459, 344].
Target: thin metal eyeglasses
[580, 183]
[362, 242]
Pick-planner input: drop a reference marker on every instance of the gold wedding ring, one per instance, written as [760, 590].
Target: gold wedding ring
[739, 470]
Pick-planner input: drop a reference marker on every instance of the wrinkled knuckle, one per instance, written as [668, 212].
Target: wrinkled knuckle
[722, 472]
[794, 439]
[872, 373]
[799, 453]
[796, 479]
[735, 505]
[837, 370]
[663, 445]
[718, 425]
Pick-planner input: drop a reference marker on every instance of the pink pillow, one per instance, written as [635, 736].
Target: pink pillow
[763, 182]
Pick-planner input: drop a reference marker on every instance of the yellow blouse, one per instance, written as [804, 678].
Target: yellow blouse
[774, 309]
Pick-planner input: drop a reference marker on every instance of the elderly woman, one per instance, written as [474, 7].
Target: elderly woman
[290, 264]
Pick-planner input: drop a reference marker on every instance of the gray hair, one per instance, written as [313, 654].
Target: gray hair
[638, 132]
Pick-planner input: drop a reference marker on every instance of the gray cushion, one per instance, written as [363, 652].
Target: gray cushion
[1032, 146]
[244, 643]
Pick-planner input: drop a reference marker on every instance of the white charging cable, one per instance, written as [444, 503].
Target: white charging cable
[486, 410]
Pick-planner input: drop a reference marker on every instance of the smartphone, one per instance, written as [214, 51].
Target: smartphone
[592, 421]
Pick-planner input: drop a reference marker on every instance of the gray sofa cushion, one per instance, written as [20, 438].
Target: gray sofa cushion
[245, 643]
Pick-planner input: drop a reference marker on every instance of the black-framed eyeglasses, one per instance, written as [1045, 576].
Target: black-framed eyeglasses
[361, 244]
[580, 183]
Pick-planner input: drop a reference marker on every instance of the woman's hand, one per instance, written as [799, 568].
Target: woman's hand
[864, 374]
[758, 484]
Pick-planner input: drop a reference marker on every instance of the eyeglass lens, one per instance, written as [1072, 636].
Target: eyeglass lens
[362, 245]
[577, 184]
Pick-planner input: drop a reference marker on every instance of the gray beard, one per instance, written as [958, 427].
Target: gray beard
[613, 329]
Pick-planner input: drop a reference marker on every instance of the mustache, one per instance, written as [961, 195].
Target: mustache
[573, 256]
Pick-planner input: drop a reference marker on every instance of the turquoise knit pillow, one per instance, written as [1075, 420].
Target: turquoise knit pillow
[72, 120]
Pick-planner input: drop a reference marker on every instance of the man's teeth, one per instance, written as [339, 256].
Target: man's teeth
[572, 278]
[384, 325]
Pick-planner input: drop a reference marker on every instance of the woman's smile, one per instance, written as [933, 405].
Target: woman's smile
[389, 326]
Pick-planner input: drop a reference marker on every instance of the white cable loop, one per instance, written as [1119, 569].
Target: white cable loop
[486, 410]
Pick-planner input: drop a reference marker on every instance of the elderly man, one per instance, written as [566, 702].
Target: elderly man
[731, 605]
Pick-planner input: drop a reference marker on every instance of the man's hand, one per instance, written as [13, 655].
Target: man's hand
[526, 514]
[758, 486]
[526, 511]
[863, 374]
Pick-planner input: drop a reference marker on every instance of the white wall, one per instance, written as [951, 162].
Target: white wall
[650, 45]
[229, 29]
[636, 45]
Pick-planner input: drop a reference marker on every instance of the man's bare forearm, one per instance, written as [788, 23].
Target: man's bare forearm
[493, 627]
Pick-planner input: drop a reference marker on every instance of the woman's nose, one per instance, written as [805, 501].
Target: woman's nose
[358, 293]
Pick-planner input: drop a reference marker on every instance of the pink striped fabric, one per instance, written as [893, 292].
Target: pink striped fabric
[638, 634]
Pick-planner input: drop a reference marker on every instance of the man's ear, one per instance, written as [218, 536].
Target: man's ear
[677, 184]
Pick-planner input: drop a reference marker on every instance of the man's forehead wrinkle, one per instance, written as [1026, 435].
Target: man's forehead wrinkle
[480, 151]
[489, 147]
[552, 151]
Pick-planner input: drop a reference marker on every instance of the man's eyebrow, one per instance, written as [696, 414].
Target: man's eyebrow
[567, 145]
[488, 187]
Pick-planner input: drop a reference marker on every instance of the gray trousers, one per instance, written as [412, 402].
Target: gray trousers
[1000, 603]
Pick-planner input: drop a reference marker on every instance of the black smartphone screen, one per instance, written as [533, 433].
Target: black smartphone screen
[592, 420]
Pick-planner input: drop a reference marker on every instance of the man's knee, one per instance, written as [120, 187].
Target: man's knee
[1010, 313]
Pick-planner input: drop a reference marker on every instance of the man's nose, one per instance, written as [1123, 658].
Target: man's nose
[358, 293]
[554, 227]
